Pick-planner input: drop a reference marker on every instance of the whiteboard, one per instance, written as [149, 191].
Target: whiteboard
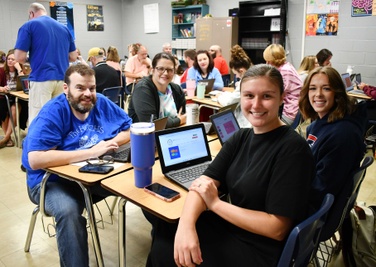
[151, 18]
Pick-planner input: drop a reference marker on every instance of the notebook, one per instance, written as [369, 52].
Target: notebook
[225, 124]
[349, 85]
[184, 153]
[209, 129]
[209, 85]
[123, 153]
[23, 83]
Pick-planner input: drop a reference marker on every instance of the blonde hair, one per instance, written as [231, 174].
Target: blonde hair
[307, 64]
[112, 54]
[275, 54]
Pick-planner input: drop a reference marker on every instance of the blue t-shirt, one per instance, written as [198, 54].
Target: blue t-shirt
[56, 126]
[214, 74]
[49, 43]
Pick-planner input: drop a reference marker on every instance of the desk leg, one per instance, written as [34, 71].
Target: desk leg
[18, 141]
[122, 232]
[93, 225]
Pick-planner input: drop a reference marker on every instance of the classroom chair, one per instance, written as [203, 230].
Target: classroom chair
[114, 94]
[342, 205]
[304, 237]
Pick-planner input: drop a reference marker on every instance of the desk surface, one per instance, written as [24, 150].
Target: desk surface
[215, 146]
[20, 94]
[206, 101]
[361, 96]
[71, 172]
[123, 186]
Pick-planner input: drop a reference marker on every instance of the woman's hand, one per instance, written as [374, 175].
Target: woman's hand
[4, 89]
[207, 190]
[182, 117]
[187, 250]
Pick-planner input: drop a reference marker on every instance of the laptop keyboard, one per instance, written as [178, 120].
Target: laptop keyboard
[121, 156]
[190, 173]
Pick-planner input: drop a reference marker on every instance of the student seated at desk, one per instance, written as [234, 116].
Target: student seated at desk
[156, 95]
[266, 171]
[72, 127]
[368, 89]
[203, 69]
[336, 134]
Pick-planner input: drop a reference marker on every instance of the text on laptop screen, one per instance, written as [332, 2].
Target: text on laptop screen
[182, 146]
[226, 126]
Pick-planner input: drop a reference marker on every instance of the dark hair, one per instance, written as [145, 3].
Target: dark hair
[6, 67]
[343, 104]
[191, 53]
[239, 58]
[264, 70]
[81, 69]
[211, 61]
[164, 55]
[2, 56]
[323, 55]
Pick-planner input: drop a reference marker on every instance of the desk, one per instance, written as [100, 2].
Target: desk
[215, 146]
[360, 96]
[123, 185]
[25, 97]
[70, 172]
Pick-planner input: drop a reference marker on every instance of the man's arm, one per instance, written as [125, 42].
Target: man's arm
[53, 157]
[20, 56]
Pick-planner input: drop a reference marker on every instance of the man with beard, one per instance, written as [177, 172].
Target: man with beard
[74, 126]
[219, 62]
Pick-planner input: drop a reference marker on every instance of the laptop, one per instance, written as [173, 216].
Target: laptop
[209, 85]
[123, 153]
[225, 124]
[184, 153]
[349, 85]
[23, 83]
[209, 129]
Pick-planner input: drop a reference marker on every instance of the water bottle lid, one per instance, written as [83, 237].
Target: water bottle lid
[142, 128]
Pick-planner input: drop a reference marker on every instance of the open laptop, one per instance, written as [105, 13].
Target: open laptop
[225, 124]
[184, 153]
[209, 129]
[209, 85]
[23, 83]
[349, 85]
[123, 153]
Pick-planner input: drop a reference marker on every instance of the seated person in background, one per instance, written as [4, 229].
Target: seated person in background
[203, 68]
[267, 172]
[189, 58]
[137, 67]
[308, 63]
[323, 57]
[72, 127]
[178, 71]
[219, 62]
[156, 96]
[336, 135]
[275, 55]
[105, 75]
[239, 64]
[113, 60]
[166, 47]
[368, 89]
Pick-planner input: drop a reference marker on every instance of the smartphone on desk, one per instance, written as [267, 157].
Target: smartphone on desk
[162, 192]
[100, 169]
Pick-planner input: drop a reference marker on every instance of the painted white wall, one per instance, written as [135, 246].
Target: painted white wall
[355, 43]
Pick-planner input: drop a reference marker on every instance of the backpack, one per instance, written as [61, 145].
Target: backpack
[363, 222]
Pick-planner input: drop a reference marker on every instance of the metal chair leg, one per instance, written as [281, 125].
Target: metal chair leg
[31, 229]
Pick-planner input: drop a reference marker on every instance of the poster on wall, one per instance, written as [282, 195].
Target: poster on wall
[322, 17]
[63, 13]
[94, 18]
[361, 8]
[151, 18]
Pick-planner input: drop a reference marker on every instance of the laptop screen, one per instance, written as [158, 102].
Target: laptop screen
[182, 147]
[347, 81]
[225, 124]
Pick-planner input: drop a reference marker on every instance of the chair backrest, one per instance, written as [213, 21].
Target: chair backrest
[345, 201]
[304, 237]
[113, 93]
[226, 79]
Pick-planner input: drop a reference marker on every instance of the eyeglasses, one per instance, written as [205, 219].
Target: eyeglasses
[107, 159]
[161, 70]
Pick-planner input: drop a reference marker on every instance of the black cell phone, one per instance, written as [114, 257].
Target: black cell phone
[101, 169]
[162, 192]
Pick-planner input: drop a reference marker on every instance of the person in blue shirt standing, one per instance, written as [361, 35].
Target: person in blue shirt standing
[51, 47]
[74, 126]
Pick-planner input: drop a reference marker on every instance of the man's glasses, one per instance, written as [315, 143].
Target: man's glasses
[161, 70]
[107, 159]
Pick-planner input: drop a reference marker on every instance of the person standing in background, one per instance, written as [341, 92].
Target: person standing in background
[219, 62]
[323, 57]
[51, 47]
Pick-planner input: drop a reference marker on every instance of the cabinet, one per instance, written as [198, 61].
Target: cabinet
[261, 23]
[222, 31]
[184, 27]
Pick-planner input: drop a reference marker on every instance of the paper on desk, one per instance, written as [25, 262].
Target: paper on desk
[83, 163]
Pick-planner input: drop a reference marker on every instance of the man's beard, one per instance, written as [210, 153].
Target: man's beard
[76, 105]
[214, 55]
